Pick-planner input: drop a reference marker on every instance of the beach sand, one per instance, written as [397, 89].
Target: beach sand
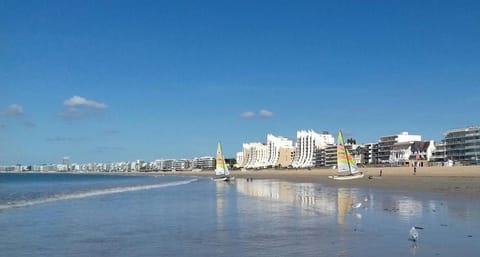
[452, 181]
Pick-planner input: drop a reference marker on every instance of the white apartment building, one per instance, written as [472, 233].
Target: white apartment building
[274, 144]
[307, 144]
[239, 159]
[257, 155]
[205, 163]
[386, 143]
[408, 153]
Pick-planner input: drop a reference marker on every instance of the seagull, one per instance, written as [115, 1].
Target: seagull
[357, 205]
[414, 233]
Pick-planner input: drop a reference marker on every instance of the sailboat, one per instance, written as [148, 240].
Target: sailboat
[221, 170]
[346, 165]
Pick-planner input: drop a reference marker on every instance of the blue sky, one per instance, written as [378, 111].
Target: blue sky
[125, 80]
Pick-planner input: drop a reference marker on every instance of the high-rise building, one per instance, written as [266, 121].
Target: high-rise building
[204, 163]
[285, 156]
[463, 145]
[274, 144]
[386, 143]
[239, 160]
[308, 143]
[257, 155]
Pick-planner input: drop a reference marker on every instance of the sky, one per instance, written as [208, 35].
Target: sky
[107, 81]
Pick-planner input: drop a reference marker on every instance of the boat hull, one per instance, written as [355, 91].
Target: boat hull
[347, 177]
[226, 179]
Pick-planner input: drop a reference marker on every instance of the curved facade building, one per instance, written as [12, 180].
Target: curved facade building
[308, 142]
[255, 155]
[274, 144]
[239, 160]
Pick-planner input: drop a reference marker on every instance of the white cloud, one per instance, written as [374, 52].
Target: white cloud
[247, 115]
[261, 114]
[14, 110]
[265, 114]
[78, 107]
[78, 101]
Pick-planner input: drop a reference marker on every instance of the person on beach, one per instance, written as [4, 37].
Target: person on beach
[414, 170]
[380, 172]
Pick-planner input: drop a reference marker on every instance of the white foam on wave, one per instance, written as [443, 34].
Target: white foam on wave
[98, 192]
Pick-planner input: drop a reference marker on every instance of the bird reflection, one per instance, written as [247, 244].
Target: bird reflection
[413, 248]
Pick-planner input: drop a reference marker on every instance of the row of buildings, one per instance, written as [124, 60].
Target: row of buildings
[201, 163]
[311, 149]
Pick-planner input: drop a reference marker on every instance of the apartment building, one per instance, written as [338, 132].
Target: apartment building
[307, 146]
[463, 145]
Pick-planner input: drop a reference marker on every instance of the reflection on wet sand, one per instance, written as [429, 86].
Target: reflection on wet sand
[220, 192]
[344, 203]
[323, 201]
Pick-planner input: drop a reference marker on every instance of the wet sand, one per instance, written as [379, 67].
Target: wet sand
[453, 181]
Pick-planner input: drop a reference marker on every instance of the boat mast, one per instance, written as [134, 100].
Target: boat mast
[346, 154]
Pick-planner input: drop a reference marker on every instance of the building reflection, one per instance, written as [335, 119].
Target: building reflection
[325, 201]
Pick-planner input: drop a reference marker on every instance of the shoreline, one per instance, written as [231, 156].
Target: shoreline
[451, 181]
[455, 181]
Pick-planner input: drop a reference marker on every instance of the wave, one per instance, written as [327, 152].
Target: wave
[98, 192]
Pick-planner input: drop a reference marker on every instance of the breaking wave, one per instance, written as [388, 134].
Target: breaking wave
[85, 194]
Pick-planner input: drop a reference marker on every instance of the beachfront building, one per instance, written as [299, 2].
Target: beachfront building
[285, 156]
[307, 146]
[245, 156]
[166, 165]
[368, 152]
[182, 164]
[204, 163]
[239, 160]
[411, 153]
[463, 145]
[386, 143]
[257, 154]
[274, 143]
[361, 153]
[439, 155]
[328, 156]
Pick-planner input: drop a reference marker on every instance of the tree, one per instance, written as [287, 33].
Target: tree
[351, 141]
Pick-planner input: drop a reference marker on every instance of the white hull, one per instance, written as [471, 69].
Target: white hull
[226, 179]
[348, 177]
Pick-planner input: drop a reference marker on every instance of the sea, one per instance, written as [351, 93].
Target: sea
[129, 215]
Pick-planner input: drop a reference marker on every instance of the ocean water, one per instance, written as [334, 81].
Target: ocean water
[113, 215]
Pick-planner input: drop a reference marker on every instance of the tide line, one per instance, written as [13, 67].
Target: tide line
[98, 192]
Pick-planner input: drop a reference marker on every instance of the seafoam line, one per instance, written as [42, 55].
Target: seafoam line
[93, 193]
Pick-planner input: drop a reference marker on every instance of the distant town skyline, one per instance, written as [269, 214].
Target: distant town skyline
[125, 80]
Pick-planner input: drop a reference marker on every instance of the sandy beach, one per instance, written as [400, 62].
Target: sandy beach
[452, 181]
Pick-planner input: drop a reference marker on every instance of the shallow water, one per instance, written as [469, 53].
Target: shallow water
[78, 215]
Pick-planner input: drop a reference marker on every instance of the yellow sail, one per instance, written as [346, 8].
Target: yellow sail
[221, 167]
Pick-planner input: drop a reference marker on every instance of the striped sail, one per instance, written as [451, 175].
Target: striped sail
[221, 168]
[345, 162]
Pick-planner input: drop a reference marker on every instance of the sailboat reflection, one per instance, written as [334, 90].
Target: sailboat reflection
[220, 203]
[344, 203]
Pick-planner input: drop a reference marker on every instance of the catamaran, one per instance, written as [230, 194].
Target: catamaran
[346, 164]
[221, 170]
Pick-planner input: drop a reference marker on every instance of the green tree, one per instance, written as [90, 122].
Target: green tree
[351, 141]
